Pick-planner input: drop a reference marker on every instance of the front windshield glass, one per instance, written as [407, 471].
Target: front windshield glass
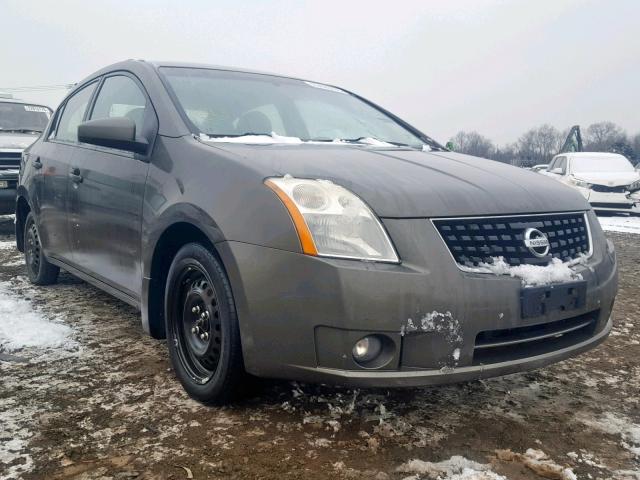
[23, 117]
[604, 164]
[226, 104]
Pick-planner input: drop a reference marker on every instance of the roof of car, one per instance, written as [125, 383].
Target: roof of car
[23, 102]
[159, 64]
[590, 154]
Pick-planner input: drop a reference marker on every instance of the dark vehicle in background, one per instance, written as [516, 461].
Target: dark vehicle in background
[20, 125]
[290, 229]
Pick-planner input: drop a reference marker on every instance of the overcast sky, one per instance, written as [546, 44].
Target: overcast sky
[497, 67]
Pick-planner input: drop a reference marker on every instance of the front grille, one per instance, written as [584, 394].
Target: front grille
[495, 346]
[611, 205]
[10, 159]
[606, 189]
[477, 240]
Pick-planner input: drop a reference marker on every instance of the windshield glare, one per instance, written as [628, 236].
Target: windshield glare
[227, 104]
[606, 164]
[22, 116]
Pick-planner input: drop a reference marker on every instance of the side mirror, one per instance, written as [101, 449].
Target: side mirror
[557, 171]
[116, 132]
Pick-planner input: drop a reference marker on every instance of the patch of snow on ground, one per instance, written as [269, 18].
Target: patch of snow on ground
[13, 448]
[7, 245]
[620, 224]
[530, 275]
[23, 327]
[456, 468]
[617, 425]
[538, 462]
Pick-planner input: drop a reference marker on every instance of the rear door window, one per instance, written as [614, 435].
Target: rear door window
[73, 114]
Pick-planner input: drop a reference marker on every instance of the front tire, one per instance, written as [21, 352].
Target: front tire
[39, 270]
[202, 327]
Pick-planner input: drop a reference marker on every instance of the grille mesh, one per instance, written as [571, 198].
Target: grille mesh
[10, 159]
[472, 241]
[607, 189]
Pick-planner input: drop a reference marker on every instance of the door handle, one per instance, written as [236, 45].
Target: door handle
[37, 164]
[75, 175]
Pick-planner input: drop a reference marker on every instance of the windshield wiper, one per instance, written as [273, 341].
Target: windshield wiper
[20, 130]
[236, 135]
[360, 141]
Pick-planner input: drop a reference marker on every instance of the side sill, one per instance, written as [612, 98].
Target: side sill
[113, 291]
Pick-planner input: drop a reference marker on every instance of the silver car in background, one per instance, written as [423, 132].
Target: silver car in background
[20, 125]
[607, 180]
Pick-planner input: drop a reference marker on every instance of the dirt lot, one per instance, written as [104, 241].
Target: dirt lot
[106, 405]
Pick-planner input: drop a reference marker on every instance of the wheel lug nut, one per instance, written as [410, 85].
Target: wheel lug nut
[194, 330]
[194, 310]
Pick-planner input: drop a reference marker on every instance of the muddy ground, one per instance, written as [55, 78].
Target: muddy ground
[108, 406]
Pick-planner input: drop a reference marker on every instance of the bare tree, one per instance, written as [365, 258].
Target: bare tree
[635, 144]
[538, 145]
[507, 154]
[603, 136]
[472, 143]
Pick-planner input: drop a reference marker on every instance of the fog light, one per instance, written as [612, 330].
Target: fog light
[366, 349]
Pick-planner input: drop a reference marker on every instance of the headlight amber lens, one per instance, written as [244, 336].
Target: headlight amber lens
[337, 221]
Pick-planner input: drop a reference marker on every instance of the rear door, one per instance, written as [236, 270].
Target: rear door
[106, 205]
[54, 157]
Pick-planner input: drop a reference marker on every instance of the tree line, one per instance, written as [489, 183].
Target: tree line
[540, 144]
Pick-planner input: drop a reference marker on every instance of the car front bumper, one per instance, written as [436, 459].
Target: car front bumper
[612, 202]
[300, 316]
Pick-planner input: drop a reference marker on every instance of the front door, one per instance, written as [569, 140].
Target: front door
[105, 211]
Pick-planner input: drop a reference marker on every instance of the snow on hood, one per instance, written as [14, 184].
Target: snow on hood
[275, 139]
[611, 179]
[16, 141]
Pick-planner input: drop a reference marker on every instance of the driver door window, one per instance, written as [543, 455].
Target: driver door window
[562, 164]
[120, 96]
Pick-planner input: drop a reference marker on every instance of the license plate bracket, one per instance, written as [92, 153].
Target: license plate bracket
[538, 301]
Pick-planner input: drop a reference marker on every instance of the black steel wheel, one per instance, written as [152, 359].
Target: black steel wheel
[39, 270]
[202, 328]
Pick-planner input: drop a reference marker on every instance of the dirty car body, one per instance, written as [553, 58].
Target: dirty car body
[366, 277]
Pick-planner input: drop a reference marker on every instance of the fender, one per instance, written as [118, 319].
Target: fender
[181, 213]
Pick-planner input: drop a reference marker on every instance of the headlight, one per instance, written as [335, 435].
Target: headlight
[634, 186]
[333, 222]
[580, 183]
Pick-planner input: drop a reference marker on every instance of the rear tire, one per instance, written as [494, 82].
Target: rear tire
[39, 270]
[202, 326]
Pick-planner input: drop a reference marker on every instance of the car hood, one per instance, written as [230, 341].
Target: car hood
[412, 183]
[611, 179]
[16, 141]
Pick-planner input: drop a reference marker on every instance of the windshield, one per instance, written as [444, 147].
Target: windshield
[233, 104]
[604, 164]
[23, 117]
